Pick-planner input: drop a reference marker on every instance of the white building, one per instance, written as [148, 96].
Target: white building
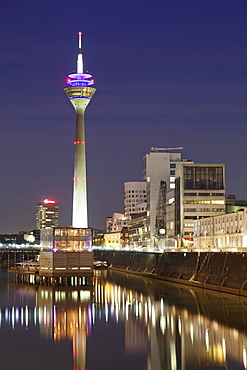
[200, 192]
[113, 239]
[135, 197]
[226, 232]
[116, 222]
[158, 165]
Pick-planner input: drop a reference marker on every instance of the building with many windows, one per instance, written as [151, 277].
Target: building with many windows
[224, 232]
[158, 165]
[135, 197]
[199, 193]
[46, 214]
[138, 230]
[116, 222]
[112, 239]
[117, 239]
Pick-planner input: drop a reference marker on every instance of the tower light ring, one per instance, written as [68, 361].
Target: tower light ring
[80, 76]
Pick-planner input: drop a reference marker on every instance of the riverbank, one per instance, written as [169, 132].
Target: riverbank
[223, 271]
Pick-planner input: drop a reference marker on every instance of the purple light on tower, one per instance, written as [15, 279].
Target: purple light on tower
[80, 93]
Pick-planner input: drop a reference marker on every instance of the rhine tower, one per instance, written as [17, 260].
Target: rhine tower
[80, 93]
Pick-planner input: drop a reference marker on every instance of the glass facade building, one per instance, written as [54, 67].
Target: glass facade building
[203, 177]
[66, 239]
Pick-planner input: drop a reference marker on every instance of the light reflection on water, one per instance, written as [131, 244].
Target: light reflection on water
[122, 322]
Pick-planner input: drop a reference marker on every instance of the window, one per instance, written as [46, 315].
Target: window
[203, 177]
[197, 202]
[172, 173]
[172, 165]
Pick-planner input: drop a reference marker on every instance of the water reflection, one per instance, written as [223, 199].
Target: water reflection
[159, 325]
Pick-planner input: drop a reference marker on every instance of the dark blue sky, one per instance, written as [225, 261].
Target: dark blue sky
[167, 73]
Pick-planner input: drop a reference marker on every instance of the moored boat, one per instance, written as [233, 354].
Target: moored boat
[100, 264]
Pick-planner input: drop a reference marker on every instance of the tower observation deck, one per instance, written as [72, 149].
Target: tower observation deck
[80, 92]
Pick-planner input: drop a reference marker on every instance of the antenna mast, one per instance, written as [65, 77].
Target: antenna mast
[80, 58]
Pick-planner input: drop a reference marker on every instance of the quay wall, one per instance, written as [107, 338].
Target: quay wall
[223, 271]
[11, 256]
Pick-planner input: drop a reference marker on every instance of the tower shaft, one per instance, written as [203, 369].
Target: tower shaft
[80, 98]
[79, 213]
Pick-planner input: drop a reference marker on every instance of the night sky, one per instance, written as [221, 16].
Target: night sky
[167, 72]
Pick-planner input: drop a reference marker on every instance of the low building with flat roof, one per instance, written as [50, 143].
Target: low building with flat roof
[66, 251]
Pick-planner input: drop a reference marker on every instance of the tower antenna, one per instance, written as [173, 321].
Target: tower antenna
[80, 57]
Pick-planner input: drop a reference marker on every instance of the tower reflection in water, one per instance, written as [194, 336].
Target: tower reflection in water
[176, 328]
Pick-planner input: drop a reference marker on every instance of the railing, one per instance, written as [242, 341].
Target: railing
[171, 249]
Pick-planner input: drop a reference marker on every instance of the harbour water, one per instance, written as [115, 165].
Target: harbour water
[121, 322]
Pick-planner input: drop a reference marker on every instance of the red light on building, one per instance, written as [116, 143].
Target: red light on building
[49, 201]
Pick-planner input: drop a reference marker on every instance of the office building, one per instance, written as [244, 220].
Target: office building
[137, 227]
[199, 193]
[80, 94]
[135, 197]
[116, 222]
[225, 232]
[116, 239]
[158, 165]
[112, 239]
[46, 214]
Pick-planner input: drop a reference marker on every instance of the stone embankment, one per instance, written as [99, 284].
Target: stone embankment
[226, 272]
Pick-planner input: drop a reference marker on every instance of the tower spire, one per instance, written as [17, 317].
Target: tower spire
[80, 57]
